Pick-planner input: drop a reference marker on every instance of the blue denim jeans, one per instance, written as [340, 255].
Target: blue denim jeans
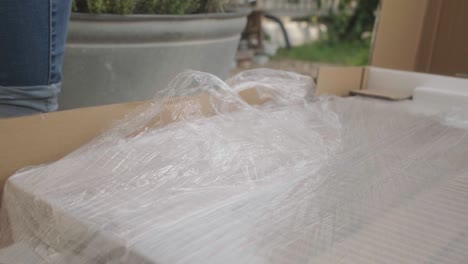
[32, 43]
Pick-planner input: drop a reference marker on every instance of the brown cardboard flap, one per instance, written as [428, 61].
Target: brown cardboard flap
[398, 33]
[339, 80]
[38, 139]
[391, 95]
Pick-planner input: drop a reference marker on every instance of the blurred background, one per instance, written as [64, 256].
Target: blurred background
[301, 35]
[129, 49]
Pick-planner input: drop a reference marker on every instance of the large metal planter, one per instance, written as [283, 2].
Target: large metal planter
[112, 58]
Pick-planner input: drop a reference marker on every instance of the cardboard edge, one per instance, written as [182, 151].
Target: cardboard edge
[339, 81]
[44, 138]
[381, 94]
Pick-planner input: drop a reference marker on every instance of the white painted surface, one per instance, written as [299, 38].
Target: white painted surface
[442, 99]
[432, 94]
[403, 81]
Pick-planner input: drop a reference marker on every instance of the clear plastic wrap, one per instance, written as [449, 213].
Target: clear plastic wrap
[205, 177]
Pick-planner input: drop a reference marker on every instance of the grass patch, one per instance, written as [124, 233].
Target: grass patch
[352, 54]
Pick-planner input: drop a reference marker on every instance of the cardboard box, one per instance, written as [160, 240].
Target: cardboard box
[39, 139]
[44, 138]
[423, 36]
[342, 80]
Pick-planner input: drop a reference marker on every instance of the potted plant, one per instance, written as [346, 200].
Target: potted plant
[124, 50]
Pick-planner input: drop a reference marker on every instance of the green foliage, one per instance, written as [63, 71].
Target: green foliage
[346, 24]
[145, 7]
[344, 53]
[124, 7]
[336, 27]
[213, 5]
[80, 6]
[178, 7]
[97, 6]
[343, 43]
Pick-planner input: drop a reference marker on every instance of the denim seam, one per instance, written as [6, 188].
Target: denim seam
[52, 42]
[50, 39]
[50, 46]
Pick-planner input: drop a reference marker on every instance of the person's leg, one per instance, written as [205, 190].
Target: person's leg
[32, 43]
